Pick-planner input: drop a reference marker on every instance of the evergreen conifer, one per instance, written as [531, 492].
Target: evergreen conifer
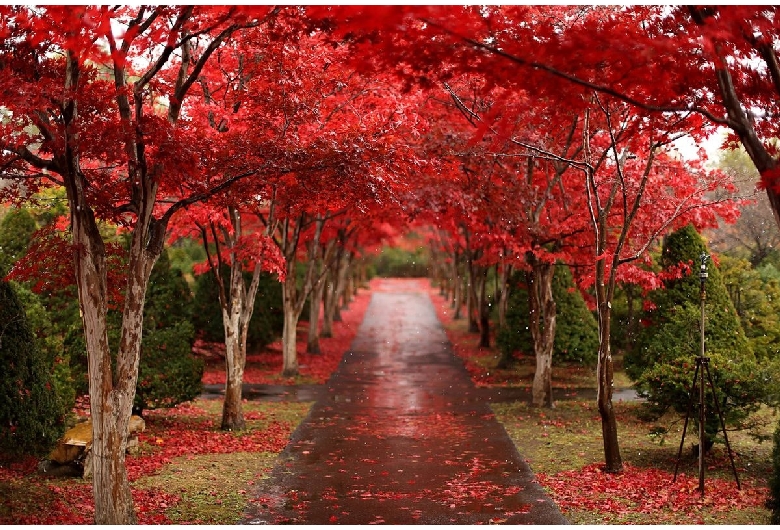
[664, 359]
[32, 414]
[576, 331]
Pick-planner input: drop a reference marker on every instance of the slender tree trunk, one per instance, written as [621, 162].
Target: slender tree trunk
[327, 307]
[338, 287]
[346, 282]
[315, 303]
[503, 289]
[235, 350]
[457, 296]
[471, 296]
[293, 299]
[483, 309]
[542, 324]
[235, 361]
[604, 374]
[289, 341]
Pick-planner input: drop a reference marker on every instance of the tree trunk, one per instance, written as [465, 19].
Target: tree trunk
[345, 282]
[110, 405]
[315, 303]
[457, 291]
[331, 295]
[483, 310]
[542, 326]
[503, 289]
[111, 392]
[339, 285]
[327, 307]
[612, 458]
[289, 339]
[471, 296]
[293, 299]
[605, 288]
[235, 351]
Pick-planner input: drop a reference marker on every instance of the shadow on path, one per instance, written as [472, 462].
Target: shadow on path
[401, 436]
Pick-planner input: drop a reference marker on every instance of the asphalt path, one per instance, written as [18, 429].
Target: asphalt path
[400, 435]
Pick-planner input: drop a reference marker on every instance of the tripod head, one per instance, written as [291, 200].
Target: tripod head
[703, 268]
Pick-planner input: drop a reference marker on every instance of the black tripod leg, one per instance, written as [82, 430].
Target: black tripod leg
[723, 426]
[687, 416]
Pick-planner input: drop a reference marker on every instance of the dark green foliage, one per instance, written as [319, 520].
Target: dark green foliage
[398, 263]
[774, 480]
[32, 415]
[267, 319]
[664, 359]
[184, 253]
[576, 332]
[49, 342]
[168, 373]
[626, 310]
[16, 230]
[168, 297]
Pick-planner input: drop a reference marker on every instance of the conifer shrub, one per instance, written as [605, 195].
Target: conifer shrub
[168, 373]
[663, 361]
[267, 318]
[17, 230]
[576, 331]
[32, 414]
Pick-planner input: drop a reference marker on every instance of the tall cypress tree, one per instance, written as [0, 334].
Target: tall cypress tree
[664, 359]
[32, 415]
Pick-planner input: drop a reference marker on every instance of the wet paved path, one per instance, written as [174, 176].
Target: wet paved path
[401, 437]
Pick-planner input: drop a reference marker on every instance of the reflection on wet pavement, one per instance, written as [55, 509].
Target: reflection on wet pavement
[401, 436]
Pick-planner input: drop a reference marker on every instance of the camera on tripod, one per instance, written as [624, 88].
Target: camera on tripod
[697, 389]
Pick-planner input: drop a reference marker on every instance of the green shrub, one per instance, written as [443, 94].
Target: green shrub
[664, 359]
[32, 413]
[398, 263]
[757, 301]
[16, 230]
[576, 331]
[168, 372]
[49, 342]
[267, 319]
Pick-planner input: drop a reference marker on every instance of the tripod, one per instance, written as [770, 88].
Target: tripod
[702, 366]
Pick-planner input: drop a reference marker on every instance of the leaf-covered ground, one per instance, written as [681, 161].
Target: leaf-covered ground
[564, 448]
[188, 471]
[185, 471]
